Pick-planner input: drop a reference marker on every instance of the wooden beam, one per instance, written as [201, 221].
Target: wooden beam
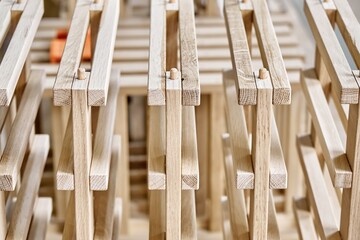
[17, 143]
[81, 114]
[343, 83]
[188, 54]
[100, 164]
[71, 57]
[5, 18]
[41, 218]
[102, 58]
[240, 54]
[156, 78]
[18, 49]
[330, 142]
[188, 215]
[270, 52]
[21, 216]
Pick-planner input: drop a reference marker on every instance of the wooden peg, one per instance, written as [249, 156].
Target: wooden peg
[173, 73]
[263, 73]
[81, 74]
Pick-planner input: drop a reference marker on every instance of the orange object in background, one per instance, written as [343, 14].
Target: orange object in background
[57, 46]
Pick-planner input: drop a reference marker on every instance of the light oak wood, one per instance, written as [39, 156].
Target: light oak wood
[188, 54]
[188, 215]
[18, 49]
[41, 218]
[303, 219]
[17, 143]
[5, 18]
[103, 54]
[81, 114]
[21, 215]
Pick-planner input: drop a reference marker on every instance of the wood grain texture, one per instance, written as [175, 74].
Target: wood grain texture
[21, 216]
[304, 222]
[343, 83]
[188, 54]
[71, 57]
[261, 139]
[236, 200]
[18, 49]
[236, 123]
[17, 143]
[81, 114]
[70, 221]
[330, 142]
[100, 164]
[5, 18]
[104, 201]
[319, 198]
[173, 158]
[270, 52]
[188, 215]
[156, 77]
[240, 53]
[157, 212]
[103, 55]
[41, 218]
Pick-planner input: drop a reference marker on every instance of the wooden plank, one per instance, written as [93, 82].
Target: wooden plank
[325, 220]
[303, 219]
[5, 18]
[270, 52]
[100, 164]
[102, 59]
[117, 219]
[71, 57]
[17, 143]
[259, 197]
[189, 150]
[65, 170]
[173, 157]
[226, 225]
[240, 54]
[18, 49]
[157, 226]
[69, 226]
[343, 83]
[156, 78]
[41, 218]
[240, 147]
[81, 114]
[104, 200]
[349, 27]
[188, 54]
[188, 215]
[21, 215]
[331, 145]
[273, 228]
[236, 200]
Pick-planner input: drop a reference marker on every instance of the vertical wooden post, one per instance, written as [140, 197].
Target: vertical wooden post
[173, 155]
[82, 159]
[261, 158]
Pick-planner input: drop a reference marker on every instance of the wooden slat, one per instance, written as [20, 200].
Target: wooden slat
[102, 59]
[117, 218]
[325, 220]
[5, 18]
[225, 214]
[188, 54]
[82, 159]
[188, 215]
[303, 219]
[349, 27]
[240, 54]
[331, 145]
[343, 83]
[273, 227]
[173, 158]
[18, 49]
[65, 170]
[71, 57]
[241, 153]
[69, 226]
[236, 200]
[156, 78]
[270, 52]
[157, 213]
[100, 164]
[104, 200]
[41, 218]
[17, 142]
[156, 152]
[21, 215]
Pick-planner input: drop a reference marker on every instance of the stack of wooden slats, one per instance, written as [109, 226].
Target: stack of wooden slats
[329, 154]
